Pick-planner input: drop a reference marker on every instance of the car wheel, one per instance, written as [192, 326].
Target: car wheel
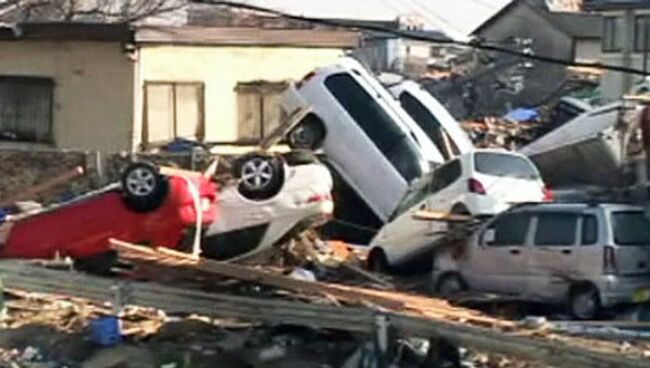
[307, 135]
[584, 301]
[143, 187]
[260, 176]
[450, 284]
[377, 261]
[299, 157]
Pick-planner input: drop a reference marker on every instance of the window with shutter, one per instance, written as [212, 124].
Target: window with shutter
[173, 110]
[26, 109]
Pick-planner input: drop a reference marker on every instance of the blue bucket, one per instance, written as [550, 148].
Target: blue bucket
[106, 331]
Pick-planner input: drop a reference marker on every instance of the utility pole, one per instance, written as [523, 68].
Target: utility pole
[645, 46]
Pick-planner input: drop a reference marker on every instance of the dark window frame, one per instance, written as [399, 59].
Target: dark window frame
[639, 37]
[439, 182]
[35, 81]
[381, 129]
[583, 241]
[434, 129]
[609, 44]
[527, 217]
[616, 217]
[536, 236]
[261, 88]
[173, 85]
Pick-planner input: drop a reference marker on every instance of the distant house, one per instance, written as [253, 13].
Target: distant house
[109, 87]
[528, 24]
[625, 40]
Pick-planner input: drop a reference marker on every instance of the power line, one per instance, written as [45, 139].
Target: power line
[420, 36]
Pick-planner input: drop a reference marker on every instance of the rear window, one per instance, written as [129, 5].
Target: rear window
[499, 164]
[631, 228]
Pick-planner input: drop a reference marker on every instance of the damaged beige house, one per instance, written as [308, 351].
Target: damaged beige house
[110, 87]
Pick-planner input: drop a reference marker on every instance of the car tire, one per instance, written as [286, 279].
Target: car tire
[450, 284]
[377, 261]
[299, 157]
[308, 135]
[584, 301]
[100, 264]
[143, 187]
[260, 176]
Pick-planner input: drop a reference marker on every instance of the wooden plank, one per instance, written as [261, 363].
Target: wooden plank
[178, 259]
[172, 171]
[26, 277]
[48, 186]
[440, 216]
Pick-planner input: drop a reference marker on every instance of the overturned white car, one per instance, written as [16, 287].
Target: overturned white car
[275, 198]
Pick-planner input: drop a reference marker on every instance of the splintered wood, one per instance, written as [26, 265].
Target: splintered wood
[388, 300]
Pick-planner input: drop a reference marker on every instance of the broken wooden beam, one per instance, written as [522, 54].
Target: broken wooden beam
[171, 258]
[440, 216]
[429, 307]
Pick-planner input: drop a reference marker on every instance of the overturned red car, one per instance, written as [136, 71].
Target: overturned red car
[147, 208]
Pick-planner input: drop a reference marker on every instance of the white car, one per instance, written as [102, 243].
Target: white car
[434, 119]
[478, 183]
[367, 137]
[256, 214]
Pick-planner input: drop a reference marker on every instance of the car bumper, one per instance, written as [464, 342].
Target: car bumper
[624, 290]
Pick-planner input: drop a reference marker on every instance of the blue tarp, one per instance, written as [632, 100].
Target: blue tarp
[522, 114]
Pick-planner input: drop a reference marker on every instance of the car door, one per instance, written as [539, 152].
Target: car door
[498, 262]
[553, 255]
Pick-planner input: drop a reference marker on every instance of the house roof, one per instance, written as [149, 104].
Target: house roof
[456, 18]
[246, 37]
[615, 4]
[118, 32]
[573, 24]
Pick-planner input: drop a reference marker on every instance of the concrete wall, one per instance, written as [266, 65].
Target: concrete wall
[23, 168]
[588, 50]
[220, 69]
[93, 91]
[614, 84]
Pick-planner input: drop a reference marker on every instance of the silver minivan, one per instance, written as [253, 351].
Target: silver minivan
[588, 256]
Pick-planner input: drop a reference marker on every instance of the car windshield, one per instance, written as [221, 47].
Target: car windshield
[416, 193]
[631, 228]
[503, 164]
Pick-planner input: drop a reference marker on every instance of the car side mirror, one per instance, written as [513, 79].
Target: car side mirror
[489, 236]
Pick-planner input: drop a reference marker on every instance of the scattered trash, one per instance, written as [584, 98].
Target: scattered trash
[302, 274]
[106, 331]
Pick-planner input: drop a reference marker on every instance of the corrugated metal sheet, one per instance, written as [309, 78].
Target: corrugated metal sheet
[247, 37]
